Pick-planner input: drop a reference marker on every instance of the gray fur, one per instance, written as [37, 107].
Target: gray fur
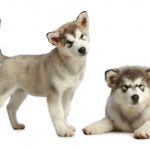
[55, 75]
[121, 113]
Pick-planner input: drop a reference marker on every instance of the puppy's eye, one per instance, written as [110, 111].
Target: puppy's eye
[125, 87]
[70, 43]
[141, 86]
[82, 37]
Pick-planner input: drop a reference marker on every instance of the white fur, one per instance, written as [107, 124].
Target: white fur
[55, 75]
[124, 116]
[70, 82]
[78, 43]
[70, 37]
[134, 90]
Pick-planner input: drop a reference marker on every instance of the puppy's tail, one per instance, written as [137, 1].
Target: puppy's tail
[2, 57]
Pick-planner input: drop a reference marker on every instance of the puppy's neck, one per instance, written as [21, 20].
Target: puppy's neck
[73, 64]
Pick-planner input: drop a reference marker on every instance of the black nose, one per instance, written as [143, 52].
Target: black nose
[82, 50]
[135, 98]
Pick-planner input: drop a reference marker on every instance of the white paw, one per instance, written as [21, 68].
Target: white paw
[142, 134]
[65, 132]
[72, 128]
[87, 131]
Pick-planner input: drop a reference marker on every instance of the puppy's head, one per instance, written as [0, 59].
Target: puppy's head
[72, 39]
[130, 85]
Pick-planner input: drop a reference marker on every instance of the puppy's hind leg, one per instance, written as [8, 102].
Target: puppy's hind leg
[5, 93]
[7, 86]
[102, 126]
[15, 101]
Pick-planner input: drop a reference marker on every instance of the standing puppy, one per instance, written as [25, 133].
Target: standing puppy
[128, 106]
[55, 75]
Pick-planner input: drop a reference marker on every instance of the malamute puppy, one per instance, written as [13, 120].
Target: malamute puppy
[55, 75]
[128, 106]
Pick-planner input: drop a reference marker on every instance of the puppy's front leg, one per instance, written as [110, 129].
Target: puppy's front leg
[66, 102]
[102, 126]
[143, 132]
[57, 115]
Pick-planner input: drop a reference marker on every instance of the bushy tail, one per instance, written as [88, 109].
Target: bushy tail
[2, 57]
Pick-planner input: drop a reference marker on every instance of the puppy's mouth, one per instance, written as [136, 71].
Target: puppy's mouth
[135, 103]
[83, 54]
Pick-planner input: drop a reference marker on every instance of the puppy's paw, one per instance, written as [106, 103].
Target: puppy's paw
[18, 126]
[142, 134]
[72, 128]
[66, 132]
[87, 131]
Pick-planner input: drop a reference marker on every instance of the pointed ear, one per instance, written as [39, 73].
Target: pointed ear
[83, 19]
[54, 37]
[111, 77]
[147, 72]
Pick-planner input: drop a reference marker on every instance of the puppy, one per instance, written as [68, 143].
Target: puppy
[55, 75]
[128, 106]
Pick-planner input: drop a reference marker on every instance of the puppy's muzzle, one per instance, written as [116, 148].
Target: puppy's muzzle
[82, 51]
[135, 98]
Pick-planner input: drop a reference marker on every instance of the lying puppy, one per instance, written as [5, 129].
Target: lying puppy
[55, 75]
[128, 106]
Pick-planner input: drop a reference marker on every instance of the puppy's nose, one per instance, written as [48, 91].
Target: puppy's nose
[135, 98]
[82, 50]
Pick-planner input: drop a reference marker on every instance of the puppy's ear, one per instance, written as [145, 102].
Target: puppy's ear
[147, 72]
[111, 77]
[83, 20]
[54, 37]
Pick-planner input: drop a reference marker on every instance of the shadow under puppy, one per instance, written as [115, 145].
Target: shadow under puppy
[128, 106]
[55, 75]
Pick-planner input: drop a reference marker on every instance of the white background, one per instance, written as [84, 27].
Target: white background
[120, 35]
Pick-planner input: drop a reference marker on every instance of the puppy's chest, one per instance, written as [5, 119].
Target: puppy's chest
[135, 118]
[65, 80]
[143, 117]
